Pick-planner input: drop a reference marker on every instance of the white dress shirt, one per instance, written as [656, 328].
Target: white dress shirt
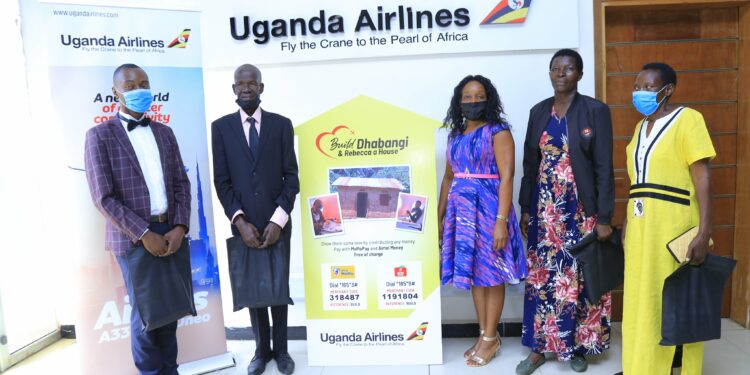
[144, 143]
[280, 217]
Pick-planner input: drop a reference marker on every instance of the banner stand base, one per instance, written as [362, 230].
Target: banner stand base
[205, 365]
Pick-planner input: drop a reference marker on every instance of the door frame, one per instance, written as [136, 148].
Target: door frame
[8, 359]
[366, 203]
[4, 352]
[740, 300]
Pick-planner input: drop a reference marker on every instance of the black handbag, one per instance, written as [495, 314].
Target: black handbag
[691, 301]
[162, 286]
[602, 262]
[259, 277]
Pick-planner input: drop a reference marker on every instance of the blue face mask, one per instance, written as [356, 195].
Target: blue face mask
[139, 100]
[645, 101]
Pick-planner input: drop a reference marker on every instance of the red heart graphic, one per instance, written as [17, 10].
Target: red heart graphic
[332, 132]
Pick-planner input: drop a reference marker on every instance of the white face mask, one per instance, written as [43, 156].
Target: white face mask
[321, 209]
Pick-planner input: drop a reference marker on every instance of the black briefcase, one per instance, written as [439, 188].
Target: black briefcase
[162, 286]
[259, 277]
[691, 301]
[603, 263]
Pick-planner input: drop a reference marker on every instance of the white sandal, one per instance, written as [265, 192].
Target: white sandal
[471, 351]
[481, 362]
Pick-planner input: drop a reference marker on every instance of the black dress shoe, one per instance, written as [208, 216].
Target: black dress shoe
[257, 365]
[284, 363]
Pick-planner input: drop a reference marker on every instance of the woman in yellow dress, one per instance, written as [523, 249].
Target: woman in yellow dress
[668, 165]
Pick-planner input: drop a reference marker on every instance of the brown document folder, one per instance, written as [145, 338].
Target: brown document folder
[678, 247]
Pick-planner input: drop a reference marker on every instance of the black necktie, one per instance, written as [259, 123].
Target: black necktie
[132, 124]
[253, 138]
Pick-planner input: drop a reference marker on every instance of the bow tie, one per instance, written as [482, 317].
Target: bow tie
[132, 124]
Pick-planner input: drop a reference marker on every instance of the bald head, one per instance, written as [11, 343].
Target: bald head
[247, 69]
[248, 86]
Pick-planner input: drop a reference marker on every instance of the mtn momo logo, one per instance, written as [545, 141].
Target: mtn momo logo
[508, 11]
[181, 40]
[342, 272]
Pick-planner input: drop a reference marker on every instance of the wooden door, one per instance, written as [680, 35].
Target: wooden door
[702, 45]
[363, 201]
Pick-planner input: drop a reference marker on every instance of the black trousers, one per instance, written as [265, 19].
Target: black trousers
[264, 332]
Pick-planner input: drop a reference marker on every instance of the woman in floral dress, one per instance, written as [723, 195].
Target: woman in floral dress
[566, 193]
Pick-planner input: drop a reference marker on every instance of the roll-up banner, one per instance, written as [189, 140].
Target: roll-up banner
[71, 54]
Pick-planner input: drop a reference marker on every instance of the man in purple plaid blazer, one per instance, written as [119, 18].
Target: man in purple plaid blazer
[138, 182]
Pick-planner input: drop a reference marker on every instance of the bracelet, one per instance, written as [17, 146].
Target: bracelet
[501, 218]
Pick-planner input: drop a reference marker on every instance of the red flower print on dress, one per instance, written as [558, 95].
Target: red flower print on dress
[587, 336]
[550, 326]
[553, 240]
[566, 288]
[538, 277]
[588, 224]
[551, 214]
[555, 345]
[594, 315]
[543, 139]
[558, 190]
[563, 169]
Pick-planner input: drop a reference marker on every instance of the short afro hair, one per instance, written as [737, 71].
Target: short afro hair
[570, 53]
[666, 72]
[123, 67]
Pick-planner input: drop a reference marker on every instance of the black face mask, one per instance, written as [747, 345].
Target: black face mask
[249, 106]
[474, 111]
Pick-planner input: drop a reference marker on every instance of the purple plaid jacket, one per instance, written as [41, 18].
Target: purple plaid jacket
[119, 190]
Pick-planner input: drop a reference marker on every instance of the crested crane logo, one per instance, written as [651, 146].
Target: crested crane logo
[181, 40]
[508, 11]
[418, 334]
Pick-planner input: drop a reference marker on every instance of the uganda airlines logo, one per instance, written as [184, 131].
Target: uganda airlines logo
[181, 40]
[418, 334]
[508, 11]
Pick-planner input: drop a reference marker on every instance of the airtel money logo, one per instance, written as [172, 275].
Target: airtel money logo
[508, 11]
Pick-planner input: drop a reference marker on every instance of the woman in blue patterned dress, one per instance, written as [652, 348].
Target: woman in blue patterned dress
[567, 191]
[481, 246]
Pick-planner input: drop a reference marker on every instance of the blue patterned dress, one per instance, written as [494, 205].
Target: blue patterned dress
[557, 316]
[467, 257]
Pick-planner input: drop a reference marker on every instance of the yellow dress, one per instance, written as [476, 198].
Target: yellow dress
[662, 205]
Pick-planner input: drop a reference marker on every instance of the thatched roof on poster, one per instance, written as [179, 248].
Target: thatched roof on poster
[360, 182]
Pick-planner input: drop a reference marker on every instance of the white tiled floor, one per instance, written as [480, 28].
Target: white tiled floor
[728, 356]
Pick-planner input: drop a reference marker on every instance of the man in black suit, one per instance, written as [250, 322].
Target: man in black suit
[255, 175]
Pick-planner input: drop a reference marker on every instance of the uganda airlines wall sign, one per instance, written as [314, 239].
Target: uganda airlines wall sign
[370, 246]
[292, 31]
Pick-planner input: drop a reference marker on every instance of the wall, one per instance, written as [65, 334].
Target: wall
[422, 84]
